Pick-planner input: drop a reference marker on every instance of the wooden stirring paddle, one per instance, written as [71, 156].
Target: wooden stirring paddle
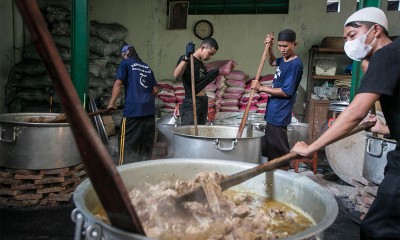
[196, 130]
[98, 164]
[197, 193]
[260, 67]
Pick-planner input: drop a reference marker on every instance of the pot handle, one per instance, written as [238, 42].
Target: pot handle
[94, 232]
[79, 220]
[379, 154]
[217, 145]
[14, 137]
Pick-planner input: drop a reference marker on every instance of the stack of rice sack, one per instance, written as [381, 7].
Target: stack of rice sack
[220, 91]
[167, 95]
[179, 91]
[259, 102]
[31, 89]
[229, 89]
[212, 98]
[235, 83]
[105, 43]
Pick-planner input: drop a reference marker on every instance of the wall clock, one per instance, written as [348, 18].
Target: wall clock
[203, 29]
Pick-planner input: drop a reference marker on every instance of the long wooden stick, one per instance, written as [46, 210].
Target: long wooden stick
[98, 163]
[197, 193]
[246, 112]
[196, 131]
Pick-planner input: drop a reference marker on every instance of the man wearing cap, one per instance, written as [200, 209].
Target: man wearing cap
[136, 137]
[366, 38]
[283, 94]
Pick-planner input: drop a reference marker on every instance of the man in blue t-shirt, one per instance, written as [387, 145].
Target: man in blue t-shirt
[136, 138]
[282, 94]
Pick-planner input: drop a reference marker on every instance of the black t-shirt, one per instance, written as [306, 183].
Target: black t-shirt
[383, 76]
[201, 77]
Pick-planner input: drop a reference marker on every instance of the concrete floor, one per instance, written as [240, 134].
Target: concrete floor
[56, 223]
[346, 225]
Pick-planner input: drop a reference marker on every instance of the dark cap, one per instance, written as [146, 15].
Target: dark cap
[287, 35]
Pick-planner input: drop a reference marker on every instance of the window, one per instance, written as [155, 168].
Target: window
[393, 5]
[199, 7]
[333, 6]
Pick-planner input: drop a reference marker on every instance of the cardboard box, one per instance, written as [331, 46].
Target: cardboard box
[109, 125]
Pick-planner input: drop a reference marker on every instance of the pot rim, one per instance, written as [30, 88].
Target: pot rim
[369, 135]
[30, 115]
[256, 132]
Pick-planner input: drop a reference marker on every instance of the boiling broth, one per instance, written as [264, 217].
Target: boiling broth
[278, 221]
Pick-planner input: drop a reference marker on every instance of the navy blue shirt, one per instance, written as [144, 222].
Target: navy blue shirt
[138, 80]
[287, 77]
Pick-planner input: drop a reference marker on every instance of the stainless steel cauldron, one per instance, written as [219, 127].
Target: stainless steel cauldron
[297, 131]
[165, 126]
[217, 142]
[28, 145]
[375, 160]
[290, 188]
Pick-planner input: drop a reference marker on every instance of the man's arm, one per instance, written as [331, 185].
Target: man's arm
[271, 56]
[180, 69]
[277, 92]
[115, 93]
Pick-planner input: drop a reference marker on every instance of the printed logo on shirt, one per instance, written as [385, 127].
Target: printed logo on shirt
[277, 74]
[202, 72]
[141, 68]
[142, 80]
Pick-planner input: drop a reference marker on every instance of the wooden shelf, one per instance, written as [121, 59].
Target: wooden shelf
[317, 110]
[341, 77]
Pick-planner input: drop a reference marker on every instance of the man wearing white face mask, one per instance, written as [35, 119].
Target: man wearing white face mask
[366, 37]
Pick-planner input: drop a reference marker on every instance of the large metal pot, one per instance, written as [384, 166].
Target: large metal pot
[217, 142]
[375, 160]
[165, 126]
[287, 187]
[28, 145]
[297, 131]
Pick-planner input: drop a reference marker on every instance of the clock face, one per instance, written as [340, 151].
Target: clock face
[203, 29]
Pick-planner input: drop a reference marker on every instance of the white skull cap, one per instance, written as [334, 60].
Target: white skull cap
[369, 14]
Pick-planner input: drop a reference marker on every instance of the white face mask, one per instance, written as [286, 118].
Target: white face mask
[357, 49]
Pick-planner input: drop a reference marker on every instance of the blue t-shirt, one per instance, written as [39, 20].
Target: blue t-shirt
[138, 80]
[287, 77]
